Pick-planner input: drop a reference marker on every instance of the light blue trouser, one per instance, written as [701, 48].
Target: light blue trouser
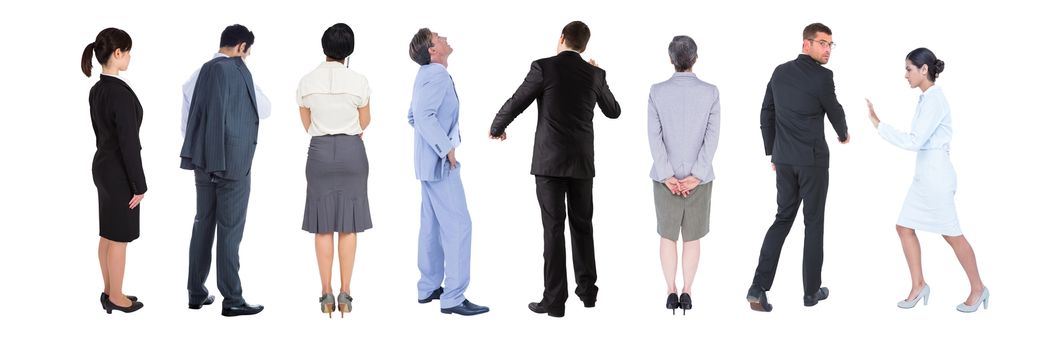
[445, 239]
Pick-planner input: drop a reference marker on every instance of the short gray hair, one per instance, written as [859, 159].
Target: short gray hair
[419, 47]
[683, 52]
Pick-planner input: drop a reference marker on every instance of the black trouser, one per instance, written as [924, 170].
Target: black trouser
[795, 184]
[553, 193]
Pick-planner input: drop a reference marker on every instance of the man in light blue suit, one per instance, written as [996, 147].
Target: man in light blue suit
[445, 224]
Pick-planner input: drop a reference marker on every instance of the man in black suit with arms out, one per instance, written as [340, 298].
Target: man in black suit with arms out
[799, 94]
[566, 89]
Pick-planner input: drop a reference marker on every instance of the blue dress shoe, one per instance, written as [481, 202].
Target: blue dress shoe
[435, 295]
[242, 310]
[466, 308]
[207, 301]
[811, 300]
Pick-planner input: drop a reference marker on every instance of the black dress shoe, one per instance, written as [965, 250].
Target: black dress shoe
[104, 297]
[757, 299]
[550, 311]
[589, 298]
[109, 306]
[207, 301]
[435, 295]
[685, 302]
[466, 308]
[672, 303]
[811, 300]
[242, 310]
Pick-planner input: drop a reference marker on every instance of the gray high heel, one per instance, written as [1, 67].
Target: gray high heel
[924, 294]
[344, 303]
[328, 304]
[983, 300]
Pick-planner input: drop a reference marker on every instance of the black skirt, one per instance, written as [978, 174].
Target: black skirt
[116, 222]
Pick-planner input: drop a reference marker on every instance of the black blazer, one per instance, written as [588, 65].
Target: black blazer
[799, 94]
[116, 116]
[223, 124]
[566, 89]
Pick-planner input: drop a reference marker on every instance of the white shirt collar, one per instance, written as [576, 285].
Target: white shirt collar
[930, 90]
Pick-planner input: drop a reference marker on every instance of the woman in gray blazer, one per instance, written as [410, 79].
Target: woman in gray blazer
[683, 134]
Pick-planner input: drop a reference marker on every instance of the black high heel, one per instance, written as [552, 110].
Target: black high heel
[672, 303]
[104, 297]
[109, 306]
[685, 302]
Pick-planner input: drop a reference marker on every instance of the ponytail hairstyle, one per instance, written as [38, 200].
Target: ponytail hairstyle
[107, 41]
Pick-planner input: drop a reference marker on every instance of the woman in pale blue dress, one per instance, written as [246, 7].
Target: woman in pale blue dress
[929, 205]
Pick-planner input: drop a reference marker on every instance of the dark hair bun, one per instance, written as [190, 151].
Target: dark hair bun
[923, 56]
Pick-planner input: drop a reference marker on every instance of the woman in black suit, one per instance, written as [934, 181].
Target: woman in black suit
[117, 168]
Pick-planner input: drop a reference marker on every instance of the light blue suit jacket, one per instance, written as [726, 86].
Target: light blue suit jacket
[683, 128]
[435, 116]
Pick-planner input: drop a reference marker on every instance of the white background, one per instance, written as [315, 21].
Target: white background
[994, 79]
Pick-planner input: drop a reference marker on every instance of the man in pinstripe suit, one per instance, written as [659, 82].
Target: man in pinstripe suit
[221, 132]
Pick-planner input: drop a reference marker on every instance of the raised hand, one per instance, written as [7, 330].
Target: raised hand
[872, 114]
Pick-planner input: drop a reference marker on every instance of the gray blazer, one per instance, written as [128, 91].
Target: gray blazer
[223, 123]
[683, 128]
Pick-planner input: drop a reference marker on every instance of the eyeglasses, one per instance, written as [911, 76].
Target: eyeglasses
[824, 44]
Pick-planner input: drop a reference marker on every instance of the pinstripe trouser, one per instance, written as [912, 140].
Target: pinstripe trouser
[445, 239]
[222, 204]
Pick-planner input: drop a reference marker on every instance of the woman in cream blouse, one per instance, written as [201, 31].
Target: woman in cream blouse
[334, 106]
[929, 205]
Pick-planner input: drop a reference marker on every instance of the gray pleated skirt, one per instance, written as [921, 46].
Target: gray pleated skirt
[337, 185]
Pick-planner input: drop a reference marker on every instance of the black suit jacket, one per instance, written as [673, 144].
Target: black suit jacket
[116, 116]
[223, 123]
[800, 93]
[566, 89]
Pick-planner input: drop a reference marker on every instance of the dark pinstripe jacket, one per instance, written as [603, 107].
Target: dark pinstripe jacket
[223, 123]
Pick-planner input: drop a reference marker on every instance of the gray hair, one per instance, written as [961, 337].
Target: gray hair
[419, 47]
[683, 52]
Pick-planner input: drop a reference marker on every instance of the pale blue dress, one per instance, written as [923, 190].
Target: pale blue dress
[929, 205]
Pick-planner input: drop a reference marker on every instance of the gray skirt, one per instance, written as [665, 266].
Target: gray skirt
[689, 214]
[337, 185]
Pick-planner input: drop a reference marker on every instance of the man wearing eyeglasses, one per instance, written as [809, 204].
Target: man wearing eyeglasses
[799, 94]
